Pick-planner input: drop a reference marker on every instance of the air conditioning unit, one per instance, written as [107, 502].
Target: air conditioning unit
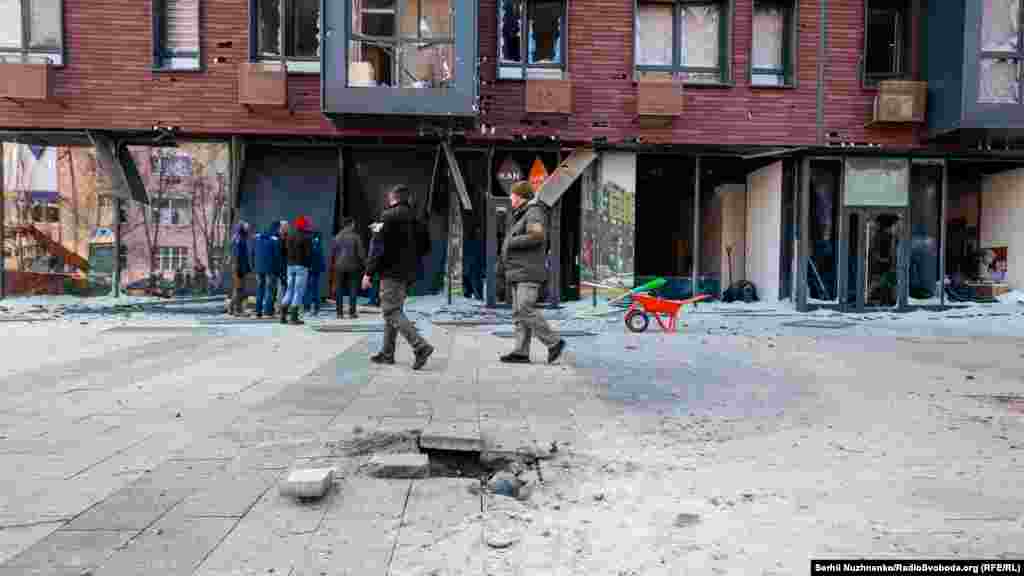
[900, 101]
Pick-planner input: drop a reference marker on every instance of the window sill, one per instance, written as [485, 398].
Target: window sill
[718, 85]
[542, 73]
[168, 69]
[773, 86]
[295, 67]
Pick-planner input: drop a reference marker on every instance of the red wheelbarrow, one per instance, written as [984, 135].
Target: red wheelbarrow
[646, 305]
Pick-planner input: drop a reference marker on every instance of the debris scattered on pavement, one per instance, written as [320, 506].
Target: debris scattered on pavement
[308, 484]
[686, 519]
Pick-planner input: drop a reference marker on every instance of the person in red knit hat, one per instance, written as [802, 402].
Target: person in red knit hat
[300, 253]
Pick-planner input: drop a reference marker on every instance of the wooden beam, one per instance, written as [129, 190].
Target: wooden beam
[563, 177]
[456, 173]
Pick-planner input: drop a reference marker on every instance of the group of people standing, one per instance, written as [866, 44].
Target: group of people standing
[289, 258]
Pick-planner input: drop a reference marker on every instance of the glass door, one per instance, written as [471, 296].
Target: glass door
[883, 262]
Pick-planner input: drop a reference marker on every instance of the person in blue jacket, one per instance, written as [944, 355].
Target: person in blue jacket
[316, 268]
[266, 264]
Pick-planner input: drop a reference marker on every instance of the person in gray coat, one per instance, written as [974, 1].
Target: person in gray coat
[523, 255]
[348, 259]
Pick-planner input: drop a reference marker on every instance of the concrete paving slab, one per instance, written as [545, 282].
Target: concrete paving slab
[174, 546]
[230, 495]
[455, 435]
[440, 530]
[405, 465]
[144, 501]
[461, 409]
[270, 539]
[15, 540]
[358, 535]
[67, 553]
[395, 425]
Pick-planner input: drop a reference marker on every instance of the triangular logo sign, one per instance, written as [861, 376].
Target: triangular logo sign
[538, 174]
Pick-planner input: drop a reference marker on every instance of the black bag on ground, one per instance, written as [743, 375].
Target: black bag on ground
[741, 290]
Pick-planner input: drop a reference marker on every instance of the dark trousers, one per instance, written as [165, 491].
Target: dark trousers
[347, 283]
[237, 293]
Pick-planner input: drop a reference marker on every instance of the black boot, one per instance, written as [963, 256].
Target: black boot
[295, 316]
[284, 314]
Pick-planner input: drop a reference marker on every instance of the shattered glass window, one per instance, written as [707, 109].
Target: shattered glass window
[654, 35]
[768, 66]
[1000, 28]
[405, 43]
[699, 27]
[545, 18]
[531, 37]
[999, 81]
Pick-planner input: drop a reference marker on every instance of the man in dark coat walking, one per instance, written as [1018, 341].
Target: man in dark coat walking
[316, 267]
[240, 266]
[348, 259]
[396, 263]
[524, 255]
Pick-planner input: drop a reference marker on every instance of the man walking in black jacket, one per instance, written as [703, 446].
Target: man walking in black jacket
[396, 263]
[524, 255]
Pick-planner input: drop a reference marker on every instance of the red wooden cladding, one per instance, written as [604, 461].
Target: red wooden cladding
[108, 82]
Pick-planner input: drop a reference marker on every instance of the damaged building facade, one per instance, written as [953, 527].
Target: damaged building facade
[847, 153]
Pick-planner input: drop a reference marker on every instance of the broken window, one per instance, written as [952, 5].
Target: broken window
[772, 50]
[173, 258]
[1001, 52]
[176, 34]
[407, 43]
[531, 38]
[886, 40]
[684, 39]
[301, 32]
[31, 31]
[173, 211]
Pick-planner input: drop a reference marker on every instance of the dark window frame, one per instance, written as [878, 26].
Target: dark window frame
[1017, 57]
[161, 55]
[727, 10]
[295, 64]
[525, 66]
[790, 47]
[869, 79]
[400, 41]
[24, 52]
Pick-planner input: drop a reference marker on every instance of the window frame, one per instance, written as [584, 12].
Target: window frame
[22, 54]
[161, 55]
[399, 41]
[790, 47]
[294, 64]
[727, 9]
[1017, 57]
[174, 254]
[871, 81]
[505, 67]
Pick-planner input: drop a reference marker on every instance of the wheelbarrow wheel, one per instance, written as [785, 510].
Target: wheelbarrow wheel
[637, 321]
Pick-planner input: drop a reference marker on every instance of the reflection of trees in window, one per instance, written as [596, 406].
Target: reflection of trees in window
[540, 54]
[684, 39]
[1001, 52]
[406, 43]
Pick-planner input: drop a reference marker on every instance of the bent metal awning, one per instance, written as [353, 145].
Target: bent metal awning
[125, 181]
[563, 177]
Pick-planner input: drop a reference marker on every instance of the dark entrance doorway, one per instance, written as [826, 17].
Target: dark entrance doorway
[876, 258]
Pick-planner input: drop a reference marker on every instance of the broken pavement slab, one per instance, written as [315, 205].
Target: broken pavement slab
[403, 465]
[441, 532]
[460, 436]
[307, 483]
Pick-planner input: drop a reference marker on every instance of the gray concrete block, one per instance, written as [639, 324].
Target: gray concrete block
[307, 483]
[405, 465]
[68, 552]
[461, 436]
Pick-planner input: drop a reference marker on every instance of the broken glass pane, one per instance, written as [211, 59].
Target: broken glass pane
[434, 21]
[45, 24]
[700, 36]
[376, 17]
[998, 81]
[10, 24]
[769, 38]
[1000, 25]
[654, 35]
[427, 65]
[370, 64]
[511, 33]
[545, 22]
[269, 24]
[305, 28]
